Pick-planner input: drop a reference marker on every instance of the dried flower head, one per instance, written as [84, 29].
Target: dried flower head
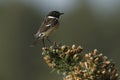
[95, 66]
[70, 62]
[63, 57]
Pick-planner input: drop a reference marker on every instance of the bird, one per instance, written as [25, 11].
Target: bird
[49, 24]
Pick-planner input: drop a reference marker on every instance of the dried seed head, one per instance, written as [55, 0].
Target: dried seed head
[96, 60]
[62, 56]
[63, 47]
[95, 51]
[79, 49]
[73, 46]
[47, 57]
[104, 71]
[44, 48]
[92, 66]
[87, 56]
[75, 56]
[68, 52]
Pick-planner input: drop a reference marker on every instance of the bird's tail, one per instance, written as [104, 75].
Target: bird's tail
[34, 42]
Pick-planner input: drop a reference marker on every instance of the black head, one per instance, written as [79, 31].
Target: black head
[55, 14]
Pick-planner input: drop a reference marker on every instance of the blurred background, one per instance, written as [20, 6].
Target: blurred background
[93, 24]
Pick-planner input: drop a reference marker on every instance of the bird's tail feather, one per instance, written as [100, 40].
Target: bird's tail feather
[34, 42]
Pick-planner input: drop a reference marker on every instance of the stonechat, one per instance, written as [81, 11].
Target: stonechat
[50, 24]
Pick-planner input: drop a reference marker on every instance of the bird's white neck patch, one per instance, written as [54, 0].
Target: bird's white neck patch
[51, 17]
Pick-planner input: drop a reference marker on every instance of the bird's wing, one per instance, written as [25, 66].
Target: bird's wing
[47, 23]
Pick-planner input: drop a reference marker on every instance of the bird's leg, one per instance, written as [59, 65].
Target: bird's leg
[43, 42]
[55, 46]
[49, 40]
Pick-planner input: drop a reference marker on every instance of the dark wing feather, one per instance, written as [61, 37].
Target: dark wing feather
[48, 22]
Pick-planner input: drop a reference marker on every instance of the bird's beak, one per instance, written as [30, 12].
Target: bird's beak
[61, 13]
